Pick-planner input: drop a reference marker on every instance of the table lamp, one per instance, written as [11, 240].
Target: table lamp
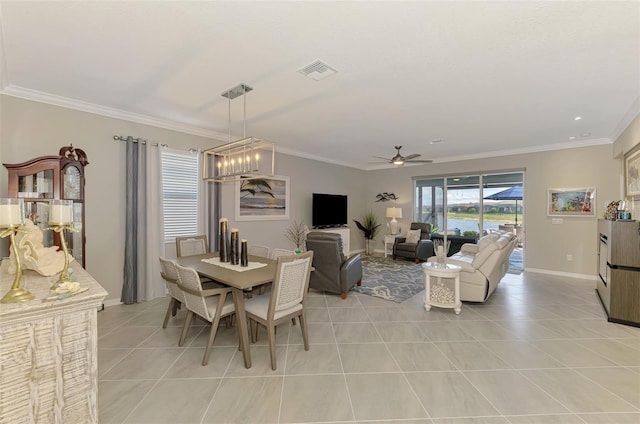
[11, 217]
[394, 213]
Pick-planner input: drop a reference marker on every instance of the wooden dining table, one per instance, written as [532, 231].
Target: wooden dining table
[239, 281]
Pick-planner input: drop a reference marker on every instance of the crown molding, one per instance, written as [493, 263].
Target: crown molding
[527, 150]
[632, 113]
[39, 96]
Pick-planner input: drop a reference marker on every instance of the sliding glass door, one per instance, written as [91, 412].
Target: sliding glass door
[471, 205]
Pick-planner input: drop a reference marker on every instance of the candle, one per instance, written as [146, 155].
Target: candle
[61, 213]
[9, 215]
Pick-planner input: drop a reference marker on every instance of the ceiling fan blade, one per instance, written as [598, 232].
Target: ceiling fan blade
[387, 159]
[409, 157]
[420, 161]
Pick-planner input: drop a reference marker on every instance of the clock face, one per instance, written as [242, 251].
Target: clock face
[72, 183]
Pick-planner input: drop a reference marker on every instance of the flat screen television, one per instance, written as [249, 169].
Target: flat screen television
[329, 210]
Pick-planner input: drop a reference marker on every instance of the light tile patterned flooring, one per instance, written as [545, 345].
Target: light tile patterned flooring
[538, 352]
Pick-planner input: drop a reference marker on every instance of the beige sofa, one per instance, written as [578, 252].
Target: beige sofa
[483, 265]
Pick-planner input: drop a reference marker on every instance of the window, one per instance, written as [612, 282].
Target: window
[179, 194]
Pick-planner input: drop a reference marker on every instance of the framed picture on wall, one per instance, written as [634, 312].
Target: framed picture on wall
[571, 201]
[262, 199]
[632, 173]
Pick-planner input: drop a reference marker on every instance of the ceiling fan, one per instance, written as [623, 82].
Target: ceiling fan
[398, 159]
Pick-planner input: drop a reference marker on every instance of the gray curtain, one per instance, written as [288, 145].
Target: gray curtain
[136, 212]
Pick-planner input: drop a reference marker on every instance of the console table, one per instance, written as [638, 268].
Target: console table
[49, 352]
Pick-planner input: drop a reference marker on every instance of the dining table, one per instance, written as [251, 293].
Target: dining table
[239, 280]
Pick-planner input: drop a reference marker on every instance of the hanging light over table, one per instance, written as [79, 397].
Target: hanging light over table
[244, 159]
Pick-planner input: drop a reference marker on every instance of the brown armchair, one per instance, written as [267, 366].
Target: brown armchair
[421, 250]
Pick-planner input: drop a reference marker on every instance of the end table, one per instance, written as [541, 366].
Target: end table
[441, 270]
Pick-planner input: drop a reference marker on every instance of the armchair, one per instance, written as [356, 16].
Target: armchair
[332, 272]
[419, 250]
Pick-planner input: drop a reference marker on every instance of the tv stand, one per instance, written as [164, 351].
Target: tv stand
[345, 233]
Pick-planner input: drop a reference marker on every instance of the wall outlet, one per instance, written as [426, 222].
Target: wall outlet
[569, 258]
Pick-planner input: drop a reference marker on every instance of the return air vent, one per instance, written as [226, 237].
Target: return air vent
[317, 70]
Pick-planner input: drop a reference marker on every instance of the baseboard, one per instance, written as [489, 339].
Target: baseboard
[111, 302]
[563, 274]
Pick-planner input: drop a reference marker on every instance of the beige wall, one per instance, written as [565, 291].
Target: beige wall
[30, 129]
[629, 138]
[546, 244]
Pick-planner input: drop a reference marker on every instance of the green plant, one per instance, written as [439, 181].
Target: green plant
[369, 225]
[297, 233]
[470, 233]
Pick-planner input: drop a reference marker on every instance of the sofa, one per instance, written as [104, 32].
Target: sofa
[483, 265]
[332, 272]
[418, 250]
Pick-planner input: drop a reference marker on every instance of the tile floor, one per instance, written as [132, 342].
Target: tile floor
[538, 352]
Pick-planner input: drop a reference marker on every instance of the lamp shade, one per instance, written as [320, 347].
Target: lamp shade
[394, 212]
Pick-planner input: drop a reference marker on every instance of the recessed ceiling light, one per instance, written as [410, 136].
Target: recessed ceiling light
[572, 138]
[436, 141]
[456, 179]
[585, 134]
[577, 118]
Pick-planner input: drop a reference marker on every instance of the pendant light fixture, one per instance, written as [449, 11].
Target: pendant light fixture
[245, 159]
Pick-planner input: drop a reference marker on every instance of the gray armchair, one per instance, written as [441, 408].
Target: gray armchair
[421, 250]
[332, 272]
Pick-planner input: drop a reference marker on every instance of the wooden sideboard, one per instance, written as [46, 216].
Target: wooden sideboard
[49, 352]
[618, 282]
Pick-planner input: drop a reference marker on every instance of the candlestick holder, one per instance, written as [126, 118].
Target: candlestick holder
[65, 275]
[11, 217]
[60, 219]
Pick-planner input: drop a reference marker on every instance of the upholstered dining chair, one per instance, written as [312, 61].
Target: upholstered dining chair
[277, 252]
[192, 245]
[285, 302]
[169, 274]
[257, 250]
[209, 304]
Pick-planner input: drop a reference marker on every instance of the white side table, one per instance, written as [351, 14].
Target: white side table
[434, 269]
[389, 239]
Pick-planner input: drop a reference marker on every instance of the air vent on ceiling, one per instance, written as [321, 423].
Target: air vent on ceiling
[317, 70]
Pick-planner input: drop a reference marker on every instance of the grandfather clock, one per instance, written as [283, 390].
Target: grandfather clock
[41, 179]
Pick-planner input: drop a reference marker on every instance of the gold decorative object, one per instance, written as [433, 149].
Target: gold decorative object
[60, 219]
[11, 217]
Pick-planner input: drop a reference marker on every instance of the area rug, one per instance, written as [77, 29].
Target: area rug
[515, 262]
[390, 280]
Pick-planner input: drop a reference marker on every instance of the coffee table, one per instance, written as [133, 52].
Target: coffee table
[441, 270]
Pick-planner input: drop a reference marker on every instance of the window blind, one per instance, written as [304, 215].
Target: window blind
[179, 194]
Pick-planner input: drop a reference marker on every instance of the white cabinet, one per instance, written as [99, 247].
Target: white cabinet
[346, 239]
[49, 352]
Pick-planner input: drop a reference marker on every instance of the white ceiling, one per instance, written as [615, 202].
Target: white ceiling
[488, 78]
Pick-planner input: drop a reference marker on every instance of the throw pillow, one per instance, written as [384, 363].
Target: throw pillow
[413, 236]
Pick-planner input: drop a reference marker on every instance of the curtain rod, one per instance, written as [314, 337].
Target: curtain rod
[142, 141]
[138, 140]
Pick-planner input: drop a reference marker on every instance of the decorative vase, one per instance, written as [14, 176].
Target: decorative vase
[224, 240]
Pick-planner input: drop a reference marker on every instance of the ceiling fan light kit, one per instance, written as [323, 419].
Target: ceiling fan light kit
[245, 159]
[400, 160]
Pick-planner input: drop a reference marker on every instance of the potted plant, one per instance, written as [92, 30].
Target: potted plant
[297, 234]
[369, 226]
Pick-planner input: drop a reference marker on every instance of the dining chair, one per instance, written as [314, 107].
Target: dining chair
[192, 245]
[277, 252]
[169, 274]
[285, 302]
[209, 304]
[257, 250]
